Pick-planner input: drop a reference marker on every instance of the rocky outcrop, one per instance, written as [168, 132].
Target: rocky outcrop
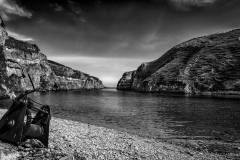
[125, 82]
[204, 65]
[67, 78]
[17, 57]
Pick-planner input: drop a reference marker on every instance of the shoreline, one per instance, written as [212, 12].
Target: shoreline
[80, 140]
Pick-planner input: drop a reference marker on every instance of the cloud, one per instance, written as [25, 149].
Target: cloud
[10, 7]
[187, 4]
[76, 10]
[110, 64]
[57, 7]
[19, 36]
[75, 7]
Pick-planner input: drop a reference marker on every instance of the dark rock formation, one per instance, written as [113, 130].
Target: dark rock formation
[126, 81]
[46, 75]
[204, 65]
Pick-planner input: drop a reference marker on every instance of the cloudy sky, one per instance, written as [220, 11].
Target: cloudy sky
[105, 38]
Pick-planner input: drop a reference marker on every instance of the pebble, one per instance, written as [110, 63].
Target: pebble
[67, 158]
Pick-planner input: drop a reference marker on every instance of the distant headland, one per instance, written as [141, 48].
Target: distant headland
[204, 65]
[17, 56]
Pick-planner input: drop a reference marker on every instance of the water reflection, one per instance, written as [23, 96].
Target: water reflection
[153, 115]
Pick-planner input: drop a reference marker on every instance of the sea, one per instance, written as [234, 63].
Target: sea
[153, 115]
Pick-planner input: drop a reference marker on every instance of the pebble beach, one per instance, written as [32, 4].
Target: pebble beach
[75, 140]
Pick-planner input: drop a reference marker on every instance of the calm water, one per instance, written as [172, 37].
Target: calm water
[152, 115]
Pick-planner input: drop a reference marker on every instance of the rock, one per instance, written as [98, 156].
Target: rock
[27, 145]
[30, 143]
[36, 143]
[3, 33]
[73, 79]
[37, 155]
[8, 156]
[125, 82]
[203, 65]
[47, 154]
[46, 75]
[67, 158]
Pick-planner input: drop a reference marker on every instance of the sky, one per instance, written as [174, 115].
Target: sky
[106, 38]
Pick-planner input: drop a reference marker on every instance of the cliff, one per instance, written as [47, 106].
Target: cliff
[72, 79]
[203, 65]
[16, 55]
[125, 82]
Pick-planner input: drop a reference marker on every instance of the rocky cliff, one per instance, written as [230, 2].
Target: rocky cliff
[67, 78]
[126, 81]
[17, 57]
[203, 65]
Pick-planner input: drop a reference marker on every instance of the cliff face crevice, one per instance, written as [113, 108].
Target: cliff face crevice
[17, 57]
[204, 65]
